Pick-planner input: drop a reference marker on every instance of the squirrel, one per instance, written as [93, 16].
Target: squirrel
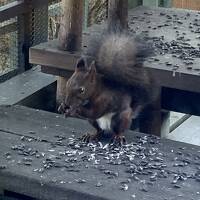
[110, 85]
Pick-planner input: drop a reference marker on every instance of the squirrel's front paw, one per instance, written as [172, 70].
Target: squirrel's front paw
[91, 137]
[118, 140]
[61, 108]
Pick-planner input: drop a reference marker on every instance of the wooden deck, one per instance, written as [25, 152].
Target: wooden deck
[40, 157]
[174, 32]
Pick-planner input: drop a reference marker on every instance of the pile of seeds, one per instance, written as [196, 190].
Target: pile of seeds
[142, 162]
[171, 33]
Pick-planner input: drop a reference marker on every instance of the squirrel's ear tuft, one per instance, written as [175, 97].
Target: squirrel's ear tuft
[92, 71]
[81, 65]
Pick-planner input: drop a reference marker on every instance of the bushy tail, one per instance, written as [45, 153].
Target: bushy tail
[120, 56]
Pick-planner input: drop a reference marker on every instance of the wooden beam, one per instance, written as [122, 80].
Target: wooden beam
[118, 13]
[48, 54]
[11, 10]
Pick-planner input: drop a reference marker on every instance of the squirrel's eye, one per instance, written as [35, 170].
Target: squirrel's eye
[82, 90]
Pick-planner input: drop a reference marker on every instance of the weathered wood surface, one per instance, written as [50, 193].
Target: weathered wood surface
[170, 71]
[43, 137]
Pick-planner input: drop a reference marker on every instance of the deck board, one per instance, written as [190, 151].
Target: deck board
[60, 181]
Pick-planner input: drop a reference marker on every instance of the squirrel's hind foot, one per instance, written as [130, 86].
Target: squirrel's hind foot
[118, 140]
[92, 137]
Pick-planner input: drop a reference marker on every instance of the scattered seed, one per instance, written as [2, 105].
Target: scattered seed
[81, 180]
[124, 187]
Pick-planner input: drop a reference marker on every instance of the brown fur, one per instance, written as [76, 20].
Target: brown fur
[116, 82]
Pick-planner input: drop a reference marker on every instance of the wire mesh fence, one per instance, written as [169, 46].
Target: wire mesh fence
[8, 46]
[54, 18]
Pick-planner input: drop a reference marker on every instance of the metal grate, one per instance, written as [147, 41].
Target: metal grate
[55, 13]
[8, 46]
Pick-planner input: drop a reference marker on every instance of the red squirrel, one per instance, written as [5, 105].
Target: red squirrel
[110, 86]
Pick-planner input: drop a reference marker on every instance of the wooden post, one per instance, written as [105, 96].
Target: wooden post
[70, 35]
[154, 120]
[118, 12]
[151, 118]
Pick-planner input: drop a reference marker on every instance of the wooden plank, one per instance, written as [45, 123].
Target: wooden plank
[45, 54]
[59, 182]
[38, 124]
[186, 4]
[24, 88]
